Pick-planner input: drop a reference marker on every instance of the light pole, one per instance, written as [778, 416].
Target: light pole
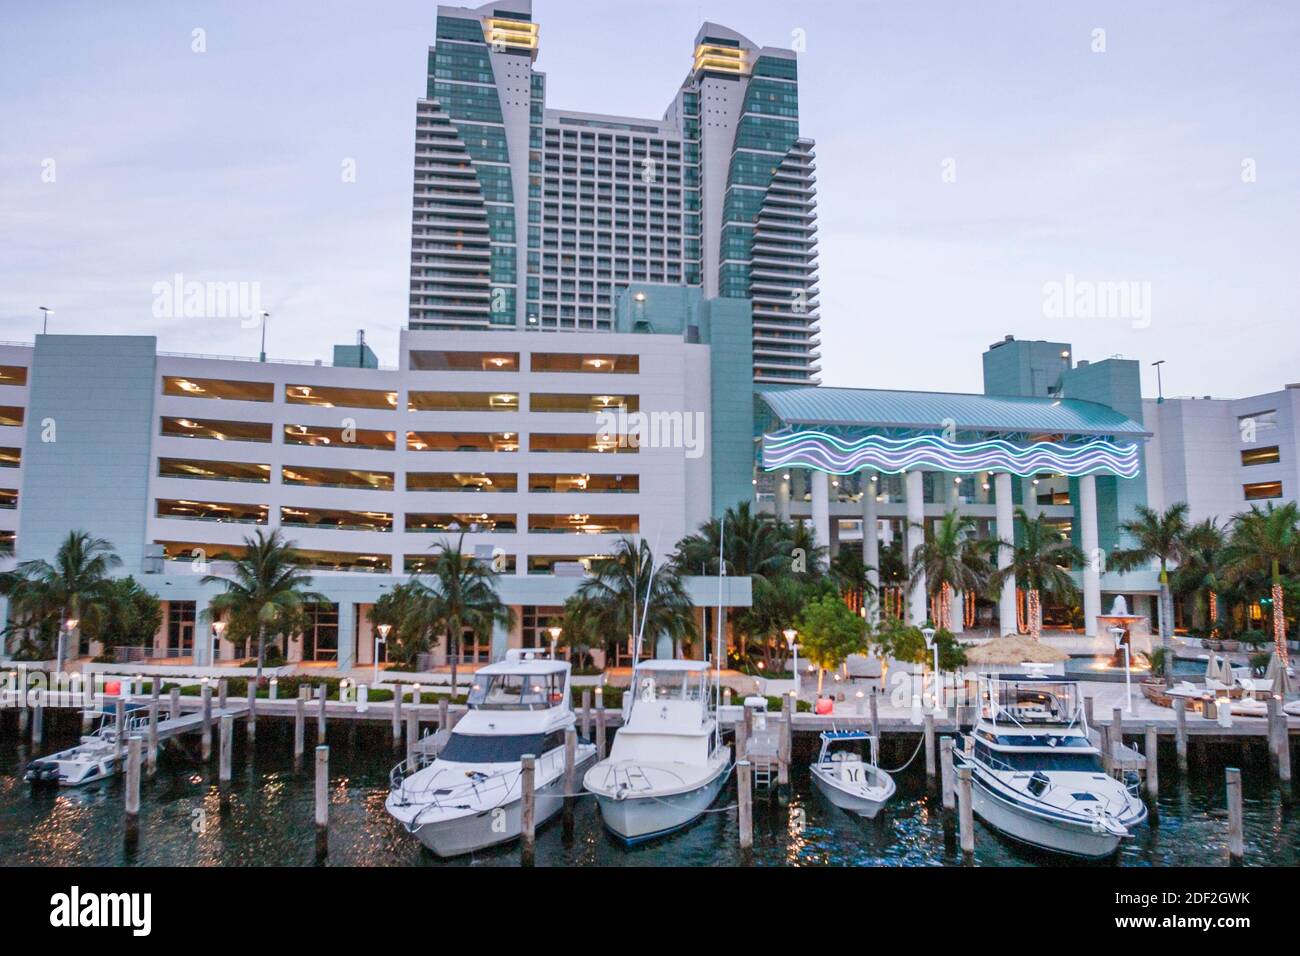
[45, 320]
[264, 316]
[790, 634]
[555, 638]
[1160, 388]
[1117, 634]
[383, 630]
[69, 626]
[928, 633]
[218, 629]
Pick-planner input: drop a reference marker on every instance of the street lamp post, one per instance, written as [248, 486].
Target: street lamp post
[263, 315]
[928, 633]
[555, 638]
[218, 629]
[1117, 634]
[65, 635]
[383, 630]
[45, 319]
[790, 634]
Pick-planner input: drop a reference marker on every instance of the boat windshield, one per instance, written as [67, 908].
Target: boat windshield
[517, 691]
[670, 685]
[1039, 760]
[497, 748]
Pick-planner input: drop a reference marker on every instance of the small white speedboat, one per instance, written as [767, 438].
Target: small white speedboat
[94, 758]
[470, 797]
[848, 781]
[1036, 775]
[667, 765]
[1291, 708]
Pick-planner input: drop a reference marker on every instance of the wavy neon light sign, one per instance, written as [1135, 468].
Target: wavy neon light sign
[843, 456]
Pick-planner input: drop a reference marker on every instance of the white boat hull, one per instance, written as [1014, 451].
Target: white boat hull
[90, 762]
[635, 819]
[865, 802]
[1059, 836]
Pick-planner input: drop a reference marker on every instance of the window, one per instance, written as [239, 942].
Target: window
[1260, 456]
[180, 627]
[602, 362]
[11, 415]
[1262, 489]
[494, 748]
[13, 375]
[193, 552]
[10, 457]
[457, 481]
[515, 692]
[227, 512]
[216, 430]
[337, 520]
[324, 396]
[344, 561]
[535, 623]
[438, 361]
[421, 563]
[584, 483]
[186, 387]
[8, 498]
[463, 401]
[480, 522]
[213, 470]
[1261, 421]
[579, 523]
[337, 478]
[606, 444]
[568, 402]
[462, 441]
[320, 635]
[339, 437]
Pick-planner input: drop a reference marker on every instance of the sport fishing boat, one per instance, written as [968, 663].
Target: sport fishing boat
[1037, 777]
[469, 797]
[667, 764]
[848, 781]
[94, 758]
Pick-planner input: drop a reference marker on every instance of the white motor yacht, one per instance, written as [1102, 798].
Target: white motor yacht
[667, 764]
[94, 758]
[469, 796]
[848, 781]
[1037, 777]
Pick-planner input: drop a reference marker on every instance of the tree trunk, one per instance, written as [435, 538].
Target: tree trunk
[453, 652]
[1279, 618]
[1035, 610]
[261, 652]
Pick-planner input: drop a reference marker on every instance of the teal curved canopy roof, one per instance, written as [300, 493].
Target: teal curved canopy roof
[880, 408]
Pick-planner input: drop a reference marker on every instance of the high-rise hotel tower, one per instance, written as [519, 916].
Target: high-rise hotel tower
[527, 217]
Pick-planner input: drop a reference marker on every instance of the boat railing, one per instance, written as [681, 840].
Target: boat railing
[450, 786]
[1074, 806]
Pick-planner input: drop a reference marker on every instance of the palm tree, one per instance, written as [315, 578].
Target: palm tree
[620, 591]
[952, 559]
[74, 586]
[1201, 570]
[265, 593]
[1159, 537]
[461, 593]
[1040, 564]
[757, 545]
[1264, 542]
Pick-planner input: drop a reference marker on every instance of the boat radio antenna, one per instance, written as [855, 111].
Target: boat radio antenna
[717, 637]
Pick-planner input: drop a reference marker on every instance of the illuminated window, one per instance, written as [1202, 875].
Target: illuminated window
[461, 481]
[471, 522]
[10, 457]
[1262, 489]
[11, 415]
[462, 441]
[421, 563]
[337, 520]
[423, 360]
[325, 396]
[213, 470]
[13, 375]
[1260, 456]
[339, 437]
[593, 484]
[228, 512]
[344, 561]
[8, 498]
[599, 362]
[192, 552]
[8, 541]
[568, 402]
[216, 430]
[583, 523]
[604, 444]
[575, 565]
[337, 478]
[463, 401]
[186, 387]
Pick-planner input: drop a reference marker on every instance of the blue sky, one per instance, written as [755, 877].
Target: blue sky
[1105, 166]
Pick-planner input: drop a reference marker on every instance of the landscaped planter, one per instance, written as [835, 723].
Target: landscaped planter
[1230, 647]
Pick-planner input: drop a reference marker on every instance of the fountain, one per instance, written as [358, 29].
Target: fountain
[1107, 661]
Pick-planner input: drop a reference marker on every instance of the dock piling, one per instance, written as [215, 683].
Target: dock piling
[227, 728]
[223, 691]
[1274, 711]
[397, 715]
[38, 720]
[570, 776]
[965, 813]
[119, 718]
[151, 754]
[443, 707]
[742, 738]
[875, 717]
[929, 748]
[299, 730]
[1152, 755]
[1180, 733]
[745, 803]
[252, 710]
[320, 715]
[133, 789]
[1089, 705]
[946, 779]
[322, 799]
[174, 702]
[784, 742]
[528, 810]
[600, 726]
[1236, 844]
[205, 736]
[586, 713]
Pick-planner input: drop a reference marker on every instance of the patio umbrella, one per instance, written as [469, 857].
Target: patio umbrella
[1279, 676]
[1212, 669]
[1012, 650]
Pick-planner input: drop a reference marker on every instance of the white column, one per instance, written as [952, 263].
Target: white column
[871, 539]
[821, 508]
[1006, 531]
[1091, 553]
[915, 536]
[347, 649]
[783, 497]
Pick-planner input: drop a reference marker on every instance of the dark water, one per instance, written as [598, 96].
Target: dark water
[265, 817]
